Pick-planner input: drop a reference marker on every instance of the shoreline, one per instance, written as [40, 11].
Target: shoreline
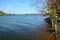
[49, 36]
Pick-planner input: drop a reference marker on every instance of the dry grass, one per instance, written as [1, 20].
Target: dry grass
[49, 35]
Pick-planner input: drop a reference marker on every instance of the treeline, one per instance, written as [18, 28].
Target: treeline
[2, 13]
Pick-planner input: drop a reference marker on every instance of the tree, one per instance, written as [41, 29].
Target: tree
[2, 13]
[53, 9]
[54, 4]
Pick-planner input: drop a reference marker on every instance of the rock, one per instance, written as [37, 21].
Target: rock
[48, 20]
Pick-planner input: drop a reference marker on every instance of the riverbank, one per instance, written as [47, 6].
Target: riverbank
[49, 36]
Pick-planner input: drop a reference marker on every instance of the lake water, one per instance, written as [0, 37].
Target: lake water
[22, 27]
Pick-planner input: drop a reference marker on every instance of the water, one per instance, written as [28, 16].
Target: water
[22, 27]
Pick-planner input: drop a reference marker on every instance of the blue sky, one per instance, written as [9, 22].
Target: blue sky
[18, 6]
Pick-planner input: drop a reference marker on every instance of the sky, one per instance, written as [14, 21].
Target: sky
[19, 6]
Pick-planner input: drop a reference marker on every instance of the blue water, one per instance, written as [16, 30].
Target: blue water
[22, 27]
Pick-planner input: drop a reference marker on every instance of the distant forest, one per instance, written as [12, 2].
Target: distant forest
[2, 13]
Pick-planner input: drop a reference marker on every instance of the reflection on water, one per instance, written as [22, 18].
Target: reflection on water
[21, 27]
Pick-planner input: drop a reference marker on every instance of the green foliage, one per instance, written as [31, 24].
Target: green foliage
[53, 13]
[2, 13]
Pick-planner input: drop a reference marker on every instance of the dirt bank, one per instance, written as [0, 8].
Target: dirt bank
[49, 36]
